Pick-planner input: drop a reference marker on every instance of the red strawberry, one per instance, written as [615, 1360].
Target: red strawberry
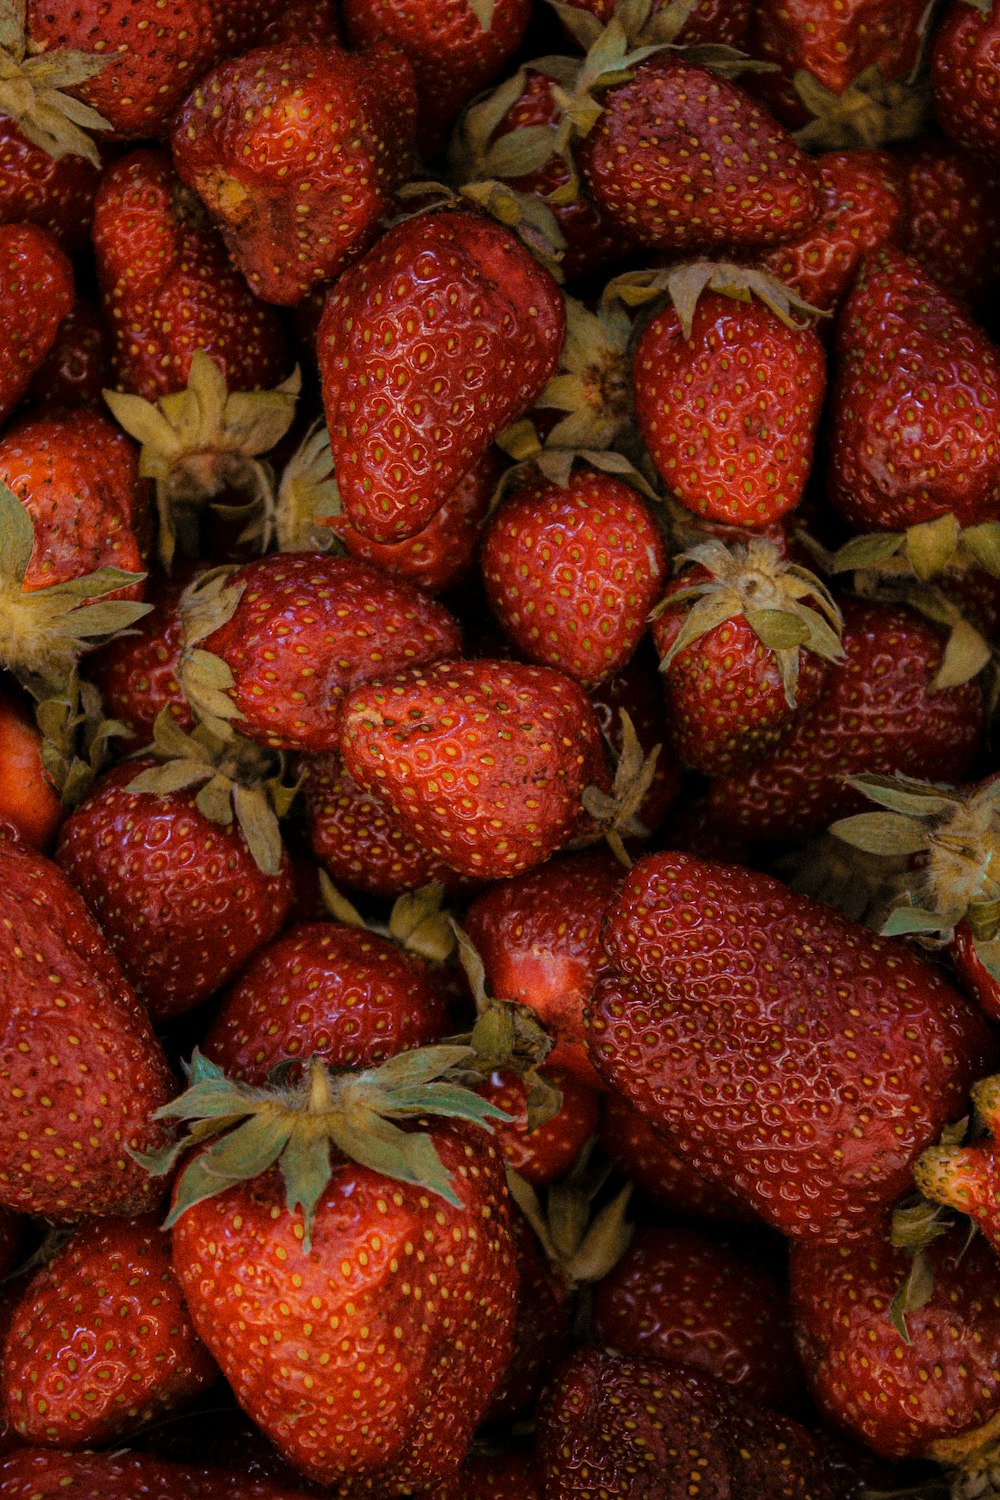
[468, 327]
[36, 293]
[27, 798]
[101, 1343]
[82, 1070]
[36, 188]
[77, 369]
[288, 636]
[868, 1051]
[483, 762]
[543, 1154]
[137, 673]
[637, 691]
[895, 459]
[966, 1177]
[538, 936]
[717, 21]
[881, 713]
[728, 407]
[456, 48]
[33, 1474]
[677, 1295]
[543, 1330]
[180, 897]
[484, 1477]
[571, 572]
[327, 990]
[168, 287]
[292, 225]
[965, 75]
[953, 218]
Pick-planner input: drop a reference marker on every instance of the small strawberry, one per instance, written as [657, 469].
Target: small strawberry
[965, 75]
[27, 798]
[483, 762]
[571, 572]
[77, 369]
[296, 205]
[543, 1153]
[101, 1343]
[36, 293]
[35, 1474]
[866, 1043]
[966, 1177]
[468, 327]
[953, 217]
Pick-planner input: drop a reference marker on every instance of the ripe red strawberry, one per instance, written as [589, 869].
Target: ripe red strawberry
[483, 762]
[966, 1177]
[36, 293]
[545, 1153]
[36, 188]
[484, 1477]
[571, 572]
[77, 369]
[327, 990]
[456, 47]
[81, 1069]
[965, 76]
[27, 797]
[168, 287]
[287, 636]
[869, 1052]
[881, 713]
[101, 1343]
[680, 159]
[538, 936]
[180, 897]
[953, 217]
[678, 1295]
[137, 673]
[907, 1397]
[291, 227]
[729, 407]
[542, 1333]
[35, 1474]
[406, 427]
[895, 460]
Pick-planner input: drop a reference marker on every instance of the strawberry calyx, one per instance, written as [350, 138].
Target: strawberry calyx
[208, 603]
[616, 813]
[44, 631]
[202, 441]
[956, 834]
[34, 85]
[245, 1129]
[786, 606]
[871, 111]
[239, 781]
[592, 385]
[581, 1243]
[686, 281]
[76, 738]
[916, 1224]
[647, 24]
[857, 884]
[418, 921]
[307, 499]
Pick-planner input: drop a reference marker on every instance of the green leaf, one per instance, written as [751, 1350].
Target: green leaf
[408, 1069]
[305, 1170]
[17, 535]
[931, 545]
[906, 794]
[405, 1157]
[966, 654]
[778, 629]
[914, 1293]
[905, 919]
[248, 1150]
[882, 833]
[866, 551]
[984, 544]
[173, 777]
[988, 953]
[259, 825]
[12, 27]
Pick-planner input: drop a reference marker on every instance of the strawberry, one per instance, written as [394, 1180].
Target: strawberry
[543, 1329]
[727, 401]
[882, 713]
[864, 1041]
[538, 936]
[571, 572]
[635, 694]
[36, 293]
[77, 1047]
[543, 1153]
[168, 288]
[405, 429]
[482, 762]
[137, 673]
[323, 989]
[952, 220]
[456, 47]
[292, 225]
[27, 797]
[678, 1295]
[894, 460]
[181, 897]
[965, 63]
[101, 1342]
[279, 642]
[36, 1474]
[484, 1477]
[36, 188]
[720, 22]
[77, 368]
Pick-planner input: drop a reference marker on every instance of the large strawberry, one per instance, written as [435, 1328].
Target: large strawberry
[483, 762]
[35, 188]
[468, 329]
[36, 293]
[965, 75]
[81, 1070]
[789, 1053]
[296, 204]
[952, 217]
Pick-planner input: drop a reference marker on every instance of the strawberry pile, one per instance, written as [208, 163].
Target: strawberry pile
[499, 825]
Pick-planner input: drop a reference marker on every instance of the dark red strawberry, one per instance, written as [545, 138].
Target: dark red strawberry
[77, 369]
[542, 1333]
[788, 1052]
[487, 1478]
[718, 21]
[543, 1154]
[466, 289]
[953, 217]
[35, 188]
[965, 75]
[137, 672]
[36, 293]
[637, 692]
[34, 1474]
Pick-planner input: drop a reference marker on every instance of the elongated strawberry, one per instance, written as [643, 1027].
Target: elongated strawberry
[964, 68]
[866, 1044]
[292, 225]
[468, 327]
[36, 293]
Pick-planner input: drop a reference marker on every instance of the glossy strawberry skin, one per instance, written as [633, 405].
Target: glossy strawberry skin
[295, 205]
[168, 287]
[879, 714]
[965, 76]
[35, 1474]
[730, 416]
[953, 217]
[101, 1343]
[326, 990]
[487, 1478]
[545, 1154]
[900, 456]
[180, 898]
[862, 1375]
[869, 1051]
[35, 188]
[77, 369]
[469, 328]
[682, 159]
[88, 1030]
[307, 630]
[410, 1369]
[571, 572]
[543, 1328]
[483, 762]
[36, 293]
